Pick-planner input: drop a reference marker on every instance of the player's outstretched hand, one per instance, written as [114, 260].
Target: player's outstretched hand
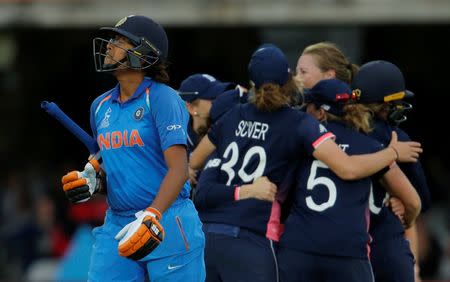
[407, 152]
[141, 236]
[261, 188]
[80, 186]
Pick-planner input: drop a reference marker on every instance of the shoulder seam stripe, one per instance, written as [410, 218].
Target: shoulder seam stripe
[101, 103]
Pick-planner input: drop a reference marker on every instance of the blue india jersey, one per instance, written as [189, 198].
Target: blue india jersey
[329, 215]
[132, 137]
[249, 144]
[385, 224]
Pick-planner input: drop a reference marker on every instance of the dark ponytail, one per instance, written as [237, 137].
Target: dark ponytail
[270, 97]
[159, 72]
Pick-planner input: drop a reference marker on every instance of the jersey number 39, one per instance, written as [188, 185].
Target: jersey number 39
[228, 167]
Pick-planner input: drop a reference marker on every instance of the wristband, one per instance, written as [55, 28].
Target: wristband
[95, 164]
[396, 152]
[154, 211]
[236, 192]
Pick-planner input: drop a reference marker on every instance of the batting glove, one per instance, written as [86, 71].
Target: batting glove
[140, 237]
[80, 186]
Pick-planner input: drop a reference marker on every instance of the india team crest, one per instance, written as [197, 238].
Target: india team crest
[139, 113]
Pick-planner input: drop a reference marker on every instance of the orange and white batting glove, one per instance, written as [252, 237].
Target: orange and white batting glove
[79, 186]
[140, 237]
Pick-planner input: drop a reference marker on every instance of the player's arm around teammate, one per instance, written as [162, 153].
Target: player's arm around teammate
[235, 227]
[311, 68]
[211, 193]
[394, 180]
[324, 60]
[345, 166]
[341, 255]
[398, 185]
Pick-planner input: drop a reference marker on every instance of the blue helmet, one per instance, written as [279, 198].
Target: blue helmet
[379, 82]
[148, 38]
[383, 82]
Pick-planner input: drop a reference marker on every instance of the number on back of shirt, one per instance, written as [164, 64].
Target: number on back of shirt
[232, 152]
[314, 181]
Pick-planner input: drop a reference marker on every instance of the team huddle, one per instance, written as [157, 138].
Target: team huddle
[302, 176]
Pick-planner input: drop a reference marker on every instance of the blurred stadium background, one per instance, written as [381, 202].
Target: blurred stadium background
[46, 54]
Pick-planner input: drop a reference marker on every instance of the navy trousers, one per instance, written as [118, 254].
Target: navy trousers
[297, 266]
[392, 260]
[233, 254]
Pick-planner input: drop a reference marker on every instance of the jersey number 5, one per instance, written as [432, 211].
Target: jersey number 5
[322, 180]
[234, 151]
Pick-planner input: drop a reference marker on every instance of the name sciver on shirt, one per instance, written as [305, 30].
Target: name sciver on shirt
[252, 129]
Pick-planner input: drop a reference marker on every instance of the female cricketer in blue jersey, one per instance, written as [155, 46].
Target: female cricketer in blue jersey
[326, 233]
[151, 227]
[381, 86]
[265, 138]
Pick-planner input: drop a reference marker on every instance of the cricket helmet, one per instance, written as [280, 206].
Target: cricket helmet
[148, 38]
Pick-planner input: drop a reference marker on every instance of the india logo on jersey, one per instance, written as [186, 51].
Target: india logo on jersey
[118, 139]
[105, 121]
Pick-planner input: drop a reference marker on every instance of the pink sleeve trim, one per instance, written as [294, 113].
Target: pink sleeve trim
[323, 138]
